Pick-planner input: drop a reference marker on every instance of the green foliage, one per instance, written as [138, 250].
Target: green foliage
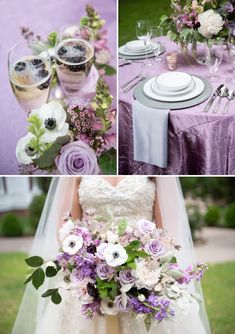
[107, 162]
[11, 225]
[35, 209]
[230, 216]
[34, 261]
[212, 215]
[107, 289]
[38, 278]
[109, 70]
[122, 225]
[52, 39]
[47, 159]
[43, 183]
[35, 127]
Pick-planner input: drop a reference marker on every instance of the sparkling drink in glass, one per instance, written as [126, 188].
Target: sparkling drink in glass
[74, 56]
[30, 76]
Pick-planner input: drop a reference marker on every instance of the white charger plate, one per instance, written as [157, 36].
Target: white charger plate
[159, 91]
[122, 50]
[198, 89]
[173, 81]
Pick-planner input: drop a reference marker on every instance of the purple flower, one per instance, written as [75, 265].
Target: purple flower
[126, 276]
[145, 226]
[154, 248]
[139, 307]
[77, 158]
[227, 7]
[119, 304]
[104, 272]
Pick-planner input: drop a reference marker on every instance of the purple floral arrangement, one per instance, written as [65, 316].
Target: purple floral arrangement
[113, 268]
[78, 139]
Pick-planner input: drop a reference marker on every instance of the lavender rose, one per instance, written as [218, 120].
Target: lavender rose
[104, 271]
[145, 226]
[154, 247]
[119, 304]
[77, 158]
[126, 276]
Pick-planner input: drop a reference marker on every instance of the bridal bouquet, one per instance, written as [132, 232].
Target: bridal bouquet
[199, 19]
[76, 139]
[117, 268]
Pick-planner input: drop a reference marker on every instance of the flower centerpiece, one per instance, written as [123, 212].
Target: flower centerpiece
[197, 20]
[112, 268]
[73, 140]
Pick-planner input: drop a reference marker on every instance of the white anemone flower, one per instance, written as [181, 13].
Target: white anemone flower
[24, 153]
[53, 117]
[115, 255]
[108, 307]
[66, 229]
[72, 244]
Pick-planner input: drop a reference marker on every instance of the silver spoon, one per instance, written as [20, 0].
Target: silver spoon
[222, 93]
[230, 97]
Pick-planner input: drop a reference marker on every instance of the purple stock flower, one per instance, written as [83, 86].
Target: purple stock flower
[77, 158]
[139, 307]
[126, 276]
[154, 247]
[104, 271]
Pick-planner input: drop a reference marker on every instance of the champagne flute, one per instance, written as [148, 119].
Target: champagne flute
[156, 32]
[213, 56]
[231, 51]
[74, 55]
[30, 75]
[143, 33]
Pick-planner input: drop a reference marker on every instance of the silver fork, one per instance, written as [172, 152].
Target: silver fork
[130, 81]
[230, 97]
[133, 85]
[222, 93]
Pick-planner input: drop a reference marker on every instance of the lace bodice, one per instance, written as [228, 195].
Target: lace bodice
[132, 198]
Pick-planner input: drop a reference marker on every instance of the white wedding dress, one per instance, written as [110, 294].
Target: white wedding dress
[132, 198]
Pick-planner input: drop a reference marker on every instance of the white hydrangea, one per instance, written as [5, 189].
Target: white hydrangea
[210, 23]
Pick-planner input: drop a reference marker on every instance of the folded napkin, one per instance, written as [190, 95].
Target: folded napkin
[150, 128]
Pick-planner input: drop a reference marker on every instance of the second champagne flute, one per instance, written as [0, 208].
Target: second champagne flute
[143, 33]
[74, 57]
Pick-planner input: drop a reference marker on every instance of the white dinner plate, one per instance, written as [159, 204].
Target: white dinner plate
[198, 89]
[159, 91]
[172, 81]
[136, 45]
[122, 50]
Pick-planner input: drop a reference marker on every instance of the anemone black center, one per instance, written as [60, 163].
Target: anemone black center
[29, 151]
[115, 255]
[50, 123]
[72, 244]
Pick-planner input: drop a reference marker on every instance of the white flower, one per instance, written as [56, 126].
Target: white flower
[210, 23]
[115, 255]
[50, 264]
[72, 244]
[111, 237]
[146, 277]
[66, 229]
[24, 153]
[102, 57]
[53, 117]
[187, 304]
[108, 307]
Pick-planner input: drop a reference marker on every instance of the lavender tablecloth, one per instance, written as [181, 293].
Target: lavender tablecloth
[42, 17]
[198, 143]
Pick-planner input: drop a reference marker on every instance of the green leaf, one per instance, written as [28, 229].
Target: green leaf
[56, 298]
[47, 159]
[28, 279]
[173, 260]
[51, 272]
[38, 278]
[122, 225]
[49, 292]
[52, 39]
[141, 253]
[135, 244]
[131, 265]
[34, 261]
[164, 19]
[107, 162]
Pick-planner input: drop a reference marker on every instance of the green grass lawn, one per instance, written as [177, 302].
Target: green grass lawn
[218, 285]
[132, 10]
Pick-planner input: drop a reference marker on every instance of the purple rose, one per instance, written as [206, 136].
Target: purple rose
[145, 226]
[126, 276]
[119, 305]
[154, 247]
[77, 158]
[104, 271]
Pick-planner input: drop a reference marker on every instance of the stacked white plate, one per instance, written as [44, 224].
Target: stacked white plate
[137, 48]
[173, 87]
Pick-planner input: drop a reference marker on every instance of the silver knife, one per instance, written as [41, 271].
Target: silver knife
[215, 94]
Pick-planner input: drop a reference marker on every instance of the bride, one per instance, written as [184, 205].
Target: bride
[131, 197]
